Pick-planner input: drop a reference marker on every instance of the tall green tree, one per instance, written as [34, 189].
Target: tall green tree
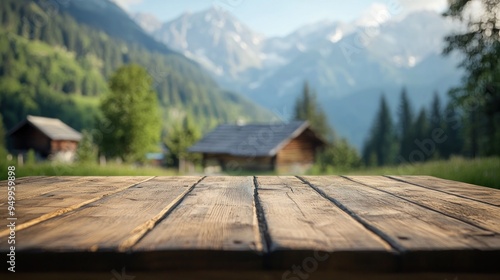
[132, 110]
[479, 96]
[182, 136]
[453, 130]
[436, 117]
[436, 121]
[381, 145]
[421, 132]
[308, 109]
[405, 125]
[87, 150]
[337, 153]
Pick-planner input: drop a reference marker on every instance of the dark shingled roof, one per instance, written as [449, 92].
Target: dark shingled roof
[249, 140]
[55, 129]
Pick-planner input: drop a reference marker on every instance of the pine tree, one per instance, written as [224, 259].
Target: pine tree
[472, 131]
[337, 153]
[307, 109]
[381, 144]
[421, 132]
[436, 112]
[182, 136]
[437, 121]
[479, 96]
[453, 131]
[132, 109]
[87, 150]
[405, 131]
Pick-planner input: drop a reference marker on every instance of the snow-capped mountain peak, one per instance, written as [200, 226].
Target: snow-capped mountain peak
[214, 38]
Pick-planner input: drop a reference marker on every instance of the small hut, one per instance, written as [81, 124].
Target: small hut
[49, 138]
[284, 148]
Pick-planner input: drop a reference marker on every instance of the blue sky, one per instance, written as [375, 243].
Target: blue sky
[279, 17]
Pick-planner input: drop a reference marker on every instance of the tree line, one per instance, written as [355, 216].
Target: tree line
[470, 124]
[435, 132]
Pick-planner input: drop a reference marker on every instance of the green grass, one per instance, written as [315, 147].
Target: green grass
[54, 169]
[483, 172]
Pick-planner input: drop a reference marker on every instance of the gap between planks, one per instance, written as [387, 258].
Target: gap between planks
[219, 214]
[403, 180]
[353, 179]
[65, 210]
[142, 230]
[386, 238]
[264, 236]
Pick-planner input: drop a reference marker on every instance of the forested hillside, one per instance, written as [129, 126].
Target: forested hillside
[53, 64]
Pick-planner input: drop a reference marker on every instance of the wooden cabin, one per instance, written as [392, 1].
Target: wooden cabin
[284, 148]
[49, 138]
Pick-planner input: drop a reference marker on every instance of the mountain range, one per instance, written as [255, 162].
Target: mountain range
[349, 64]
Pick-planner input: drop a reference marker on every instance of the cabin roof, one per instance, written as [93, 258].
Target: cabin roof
[54, 129]
[250, 140]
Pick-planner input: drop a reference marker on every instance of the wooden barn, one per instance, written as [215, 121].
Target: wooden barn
[284, 148]
[49, 138]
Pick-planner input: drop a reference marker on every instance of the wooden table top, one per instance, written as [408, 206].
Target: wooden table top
[321, 224]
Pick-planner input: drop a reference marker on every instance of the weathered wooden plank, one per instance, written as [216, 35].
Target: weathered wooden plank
[427, 240]
[42, 188]
[33, 186]
[301, 223]
[107, 223]
[473, 212]
[214, 226]
[474, 192]
[73, 194]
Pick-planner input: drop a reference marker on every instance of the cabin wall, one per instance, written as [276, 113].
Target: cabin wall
[217, 163]
[28, 138]
[298, 155]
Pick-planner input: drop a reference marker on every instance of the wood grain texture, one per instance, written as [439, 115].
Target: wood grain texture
[216, 223]
[32, 186]
[200, 227]
[106, 223]
[301, 223]
[425, 238]
[299, 150]
[473, 212]
[37, 197]
[69, 195]
[486, 195]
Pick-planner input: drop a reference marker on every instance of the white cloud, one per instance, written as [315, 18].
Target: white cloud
[375, 15]
[125, 4]
[412, 5]
[386, 10]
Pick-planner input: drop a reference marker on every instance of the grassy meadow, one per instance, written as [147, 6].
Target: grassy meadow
[54, 169]
[484, 171]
